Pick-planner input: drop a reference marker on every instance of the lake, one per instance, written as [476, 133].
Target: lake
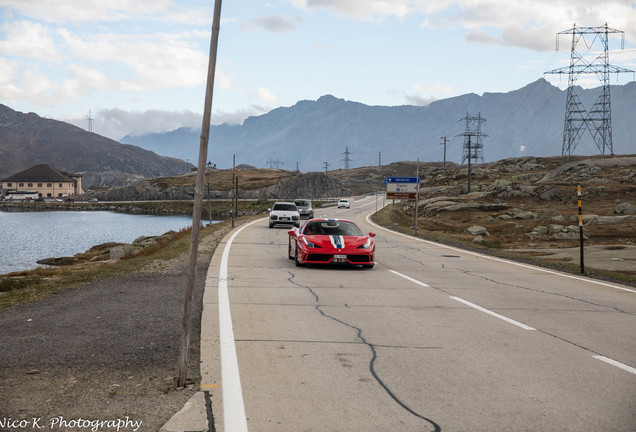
[26, 237]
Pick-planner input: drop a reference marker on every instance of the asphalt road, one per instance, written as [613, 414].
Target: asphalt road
[432, 338]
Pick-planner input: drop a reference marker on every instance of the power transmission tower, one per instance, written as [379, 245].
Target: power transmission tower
[326, 166]
[90, 121]
[277, 163]
[473, 146]
[347, 159]
[598, 120]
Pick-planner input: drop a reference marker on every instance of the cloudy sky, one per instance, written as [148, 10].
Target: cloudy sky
[139, 66]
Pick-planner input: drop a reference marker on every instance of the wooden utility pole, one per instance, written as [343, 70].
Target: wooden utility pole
[184, 354]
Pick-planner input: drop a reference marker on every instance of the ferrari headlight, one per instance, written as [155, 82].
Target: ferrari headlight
[309, 244]
[366, 245]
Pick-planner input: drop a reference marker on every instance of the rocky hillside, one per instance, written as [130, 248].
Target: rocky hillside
[28, 139]
[529, 206]
[253, 183]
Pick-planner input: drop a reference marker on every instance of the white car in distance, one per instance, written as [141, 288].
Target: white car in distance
[343, 203]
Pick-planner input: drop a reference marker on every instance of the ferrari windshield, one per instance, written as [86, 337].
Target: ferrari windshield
[331, 227]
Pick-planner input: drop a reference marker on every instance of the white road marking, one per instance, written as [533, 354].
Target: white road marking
[616, 363]
[368, 219]
[496, 315]
[409, 278]
[479, 308]
[233, 407]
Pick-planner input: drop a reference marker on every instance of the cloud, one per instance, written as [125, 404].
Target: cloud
[237, 117]
[275, 23]
[426, 94]
[29, 39]
[267, 96]
[101, 61]
[361, 9]
[74, 11]
[117, 123]
[528, 24]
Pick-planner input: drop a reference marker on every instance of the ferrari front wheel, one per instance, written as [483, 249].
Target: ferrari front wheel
[298, 263]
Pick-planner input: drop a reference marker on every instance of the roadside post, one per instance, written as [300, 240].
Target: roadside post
[417, 196]
[578, 192]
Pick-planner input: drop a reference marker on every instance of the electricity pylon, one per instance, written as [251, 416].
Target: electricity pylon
[473, 146]
[598, 120]
[347, 159]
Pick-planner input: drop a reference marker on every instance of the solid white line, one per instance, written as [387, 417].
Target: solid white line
[615, 363]
[489, 312]
[233, 407]
[594, 281]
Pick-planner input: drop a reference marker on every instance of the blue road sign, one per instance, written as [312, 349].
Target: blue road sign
[401, 180]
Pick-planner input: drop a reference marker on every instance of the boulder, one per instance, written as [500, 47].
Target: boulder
[555, 228]
[625, 208]
[477, 230]
[525, 215]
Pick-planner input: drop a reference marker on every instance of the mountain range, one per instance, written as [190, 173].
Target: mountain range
[28, 139]
[333, 133]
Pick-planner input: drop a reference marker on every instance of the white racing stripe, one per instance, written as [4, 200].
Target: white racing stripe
[233, 407]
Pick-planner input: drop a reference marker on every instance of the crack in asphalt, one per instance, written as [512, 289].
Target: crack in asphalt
[374, 355]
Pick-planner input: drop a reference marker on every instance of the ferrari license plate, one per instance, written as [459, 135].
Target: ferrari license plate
[340, 258]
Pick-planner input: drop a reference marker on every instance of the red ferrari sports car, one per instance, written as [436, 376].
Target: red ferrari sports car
[331, 241]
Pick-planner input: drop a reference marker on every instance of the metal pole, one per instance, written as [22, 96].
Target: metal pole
[470, 156]
[393, 211]
[444, 144]
[417, 194]
[578, 189]
[184, 354]
[232, 188]
[209, 205]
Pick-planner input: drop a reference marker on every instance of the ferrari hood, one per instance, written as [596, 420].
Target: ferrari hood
[337, 241]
